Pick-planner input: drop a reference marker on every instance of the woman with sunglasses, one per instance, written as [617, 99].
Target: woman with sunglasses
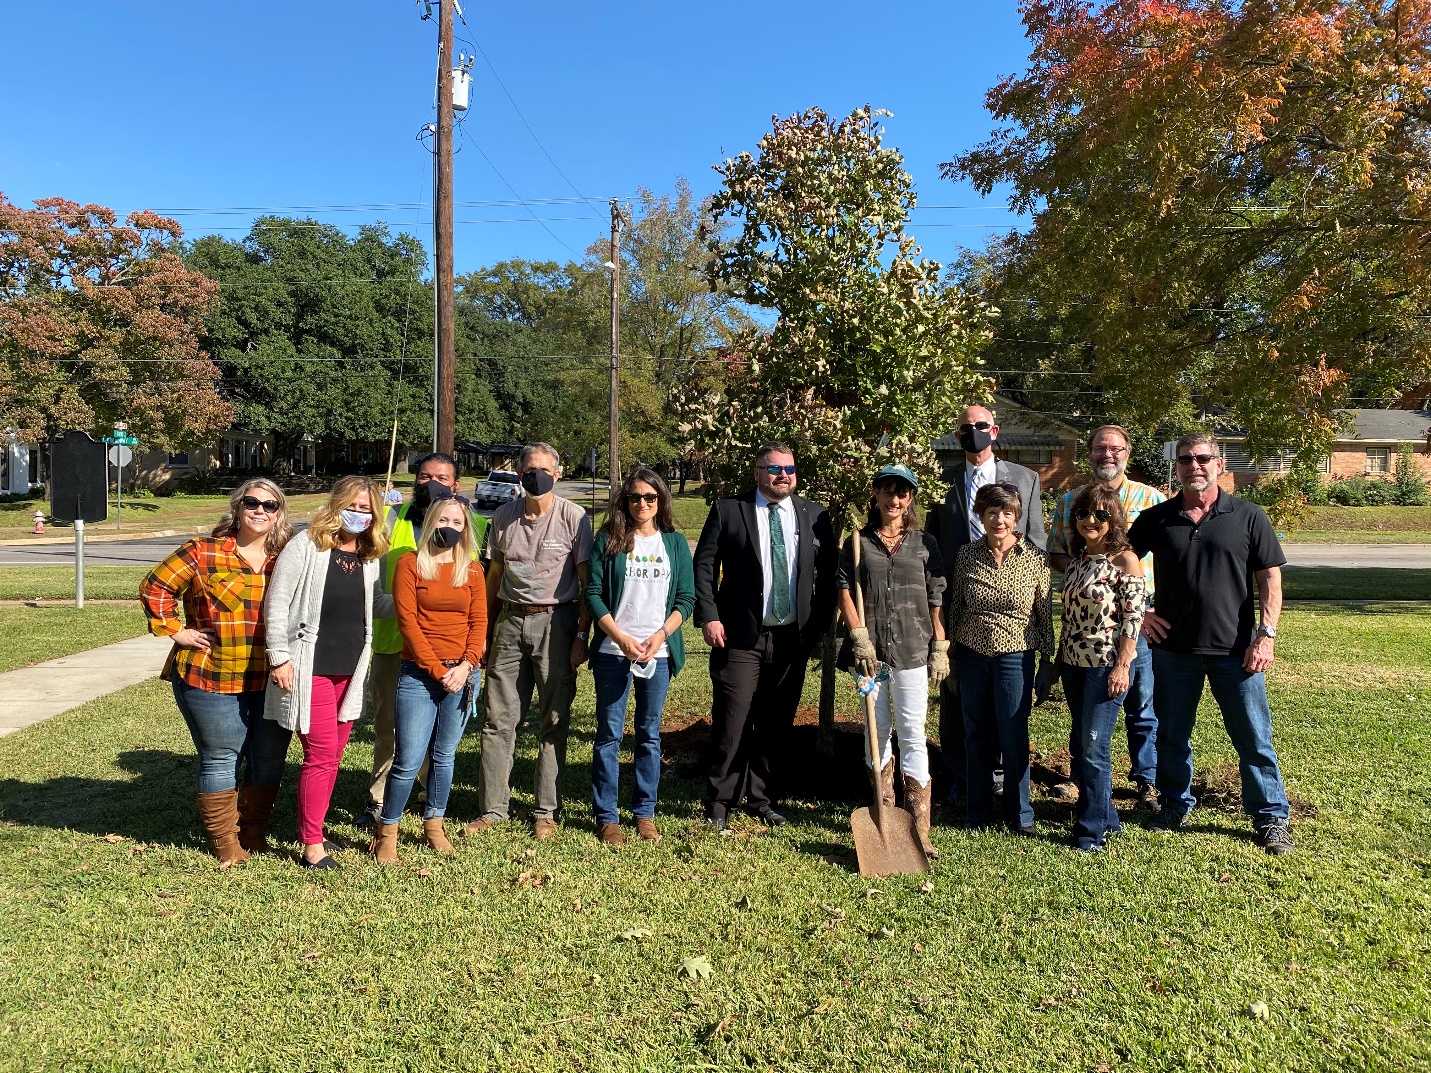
[1104, 596]
[640, 588]
[1001, 611]
[318, 620]
[218, 668]
[901, 641]
[440, 598]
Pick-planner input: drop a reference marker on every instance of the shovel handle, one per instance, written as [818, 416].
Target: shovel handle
[871, 730]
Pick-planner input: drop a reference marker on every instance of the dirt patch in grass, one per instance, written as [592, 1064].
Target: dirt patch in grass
[1220, 788]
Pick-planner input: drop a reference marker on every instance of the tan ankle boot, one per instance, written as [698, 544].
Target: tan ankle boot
[435, 837]
[219, 813]
[916, 800]
[255, 806]
[384, 844]
[886, 783]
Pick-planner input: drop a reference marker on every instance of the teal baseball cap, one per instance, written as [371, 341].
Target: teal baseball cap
[897, 469]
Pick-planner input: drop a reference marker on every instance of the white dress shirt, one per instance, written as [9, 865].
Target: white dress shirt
[985, 470]
[792, 554]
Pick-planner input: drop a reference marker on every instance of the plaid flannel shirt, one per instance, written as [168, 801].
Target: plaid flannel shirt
[1135, 498]
[220, 593]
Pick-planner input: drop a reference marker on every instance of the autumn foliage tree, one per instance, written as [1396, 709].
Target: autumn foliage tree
[101, 322]
[1232, 204]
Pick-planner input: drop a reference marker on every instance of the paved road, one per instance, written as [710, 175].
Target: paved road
[1399, 556]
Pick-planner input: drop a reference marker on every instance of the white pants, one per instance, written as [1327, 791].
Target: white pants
[907, 693]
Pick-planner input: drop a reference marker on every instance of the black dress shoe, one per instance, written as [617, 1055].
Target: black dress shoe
[321, 862]
[716, 824]
[1026, 832]
[770, 817]
[367, 821]
[329, 846]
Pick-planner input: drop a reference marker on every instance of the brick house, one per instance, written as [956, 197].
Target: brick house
[1366, 448]
[1045, 445]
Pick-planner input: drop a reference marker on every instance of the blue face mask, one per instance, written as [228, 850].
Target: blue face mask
[355, 521]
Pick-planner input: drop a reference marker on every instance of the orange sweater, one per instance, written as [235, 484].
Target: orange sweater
[439, 621]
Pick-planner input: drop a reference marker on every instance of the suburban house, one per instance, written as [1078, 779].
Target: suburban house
[1367, 447]
[21, 465]
[1043, 444]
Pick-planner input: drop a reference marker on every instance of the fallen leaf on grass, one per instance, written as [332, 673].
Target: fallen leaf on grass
[883, 933]
[1048, 1003]
[1226, 877]
[826, 1004]
[721, 1026]
[576, 905]
[1260, 1010]
[631, 935]
[834, 910]
[697, 967]
[476, 890]
[365, 918]
[311, 955]
[873, 892]
[532, 878]
[927, 887]
[114, 839]
[919, 948]
[423, 873]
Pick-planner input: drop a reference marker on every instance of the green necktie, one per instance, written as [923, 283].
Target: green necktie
[779, 566]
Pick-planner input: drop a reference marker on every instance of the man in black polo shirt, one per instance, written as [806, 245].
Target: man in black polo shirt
[1207, 548]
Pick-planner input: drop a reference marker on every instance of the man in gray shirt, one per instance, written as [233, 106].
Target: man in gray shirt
[536, 558]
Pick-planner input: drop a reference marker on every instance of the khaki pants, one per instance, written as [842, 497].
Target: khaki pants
[382, 678]
[529, 653]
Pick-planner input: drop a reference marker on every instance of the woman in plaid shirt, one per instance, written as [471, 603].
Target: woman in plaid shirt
[218, 667]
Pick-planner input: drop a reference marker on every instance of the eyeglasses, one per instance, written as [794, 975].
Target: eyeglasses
[776, 471]
[1201, 460]
[1097, 515]
[635, 498]
[981, 426]
[1115, 451]
[270, 506]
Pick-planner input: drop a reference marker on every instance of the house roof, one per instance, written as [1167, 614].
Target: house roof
[1394, 425]
[1018, 428]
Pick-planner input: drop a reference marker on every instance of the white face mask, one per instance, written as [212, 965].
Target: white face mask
[355, 521]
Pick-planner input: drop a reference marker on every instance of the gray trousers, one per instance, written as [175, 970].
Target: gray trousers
[529, 653]
[382, 684]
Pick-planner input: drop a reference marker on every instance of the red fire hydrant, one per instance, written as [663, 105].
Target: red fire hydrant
[39, 523]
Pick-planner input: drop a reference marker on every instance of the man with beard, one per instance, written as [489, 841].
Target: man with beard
[537, 558]
[1108, 451]
[953, 524]
[436, 480]
[1207, 547]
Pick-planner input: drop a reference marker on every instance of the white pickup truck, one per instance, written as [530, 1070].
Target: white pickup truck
[501, 486]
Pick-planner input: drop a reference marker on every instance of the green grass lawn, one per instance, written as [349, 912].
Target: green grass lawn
[123, 947]
[1364, 525]
[35, 634]
[149, 514]
[1359, 583]
[58, 582]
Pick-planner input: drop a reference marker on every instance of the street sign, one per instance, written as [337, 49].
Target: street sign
[120, 456]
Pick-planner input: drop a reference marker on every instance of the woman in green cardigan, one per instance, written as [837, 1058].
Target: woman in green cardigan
[640, 589]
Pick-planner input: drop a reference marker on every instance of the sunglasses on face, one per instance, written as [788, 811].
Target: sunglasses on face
[980, 426]
[269, 506]
[776, 471]
[637, 498]
[1201, 460]
[1096, 515]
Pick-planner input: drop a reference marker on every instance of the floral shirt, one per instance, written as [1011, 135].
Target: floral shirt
[998, 608]
[220, 593]
[1101, 604]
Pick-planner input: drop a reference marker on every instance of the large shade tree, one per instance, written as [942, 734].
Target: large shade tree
[1231, 208]
[101, 321]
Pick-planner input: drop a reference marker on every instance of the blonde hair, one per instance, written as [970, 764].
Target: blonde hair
[327, 520]
[281, 532]
[463, 554]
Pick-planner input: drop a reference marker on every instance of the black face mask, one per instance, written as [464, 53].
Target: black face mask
[422, 495]
[538, 482]
[975, 441]
[444, 536]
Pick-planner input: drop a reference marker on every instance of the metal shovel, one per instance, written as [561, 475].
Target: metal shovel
[886, 840]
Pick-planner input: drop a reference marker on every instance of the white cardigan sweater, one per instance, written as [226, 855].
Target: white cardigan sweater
[292, 606]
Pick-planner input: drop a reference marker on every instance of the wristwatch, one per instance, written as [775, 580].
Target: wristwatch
[1268, 631]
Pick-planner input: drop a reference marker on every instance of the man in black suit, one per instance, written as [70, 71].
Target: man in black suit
[765, 594]
[953, 525]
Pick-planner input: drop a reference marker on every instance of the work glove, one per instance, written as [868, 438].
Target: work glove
[866, 659]
[938, 662]
[1043, 680]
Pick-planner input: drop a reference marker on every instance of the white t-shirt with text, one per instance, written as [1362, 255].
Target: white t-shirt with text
[644, 593]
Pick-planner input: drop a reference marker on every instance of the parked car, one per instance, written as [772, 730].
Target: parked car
[501, 486]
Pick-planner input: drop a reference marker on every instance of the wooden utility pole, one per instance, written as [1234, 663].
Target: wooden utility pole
[442, 224]
[615, 452]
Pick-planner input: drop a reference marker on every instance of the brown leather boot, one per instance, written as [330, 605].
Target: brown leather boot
[384, 844]
[255, 806]
[611, 834]
[435, 837]
[646, 828]
[219, 813]
[916, 800]
[886, 782]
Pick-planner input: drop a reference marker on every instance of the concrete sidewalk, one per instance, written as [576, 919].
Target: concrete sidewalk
[33, 694]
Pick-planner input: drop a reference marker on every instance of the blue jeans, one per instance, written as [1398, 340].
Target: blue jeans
[1095, 714]
[1140, 717]
[228, 727]
[613, 682]
[996, 693]
[1242, 696]
[427, 721]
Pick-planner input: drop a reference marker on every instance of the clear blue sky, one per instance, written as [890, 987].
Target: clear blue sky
[257, 103]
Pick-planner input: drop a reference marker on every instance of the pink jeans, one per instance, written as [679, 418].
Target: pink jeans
[323, 747]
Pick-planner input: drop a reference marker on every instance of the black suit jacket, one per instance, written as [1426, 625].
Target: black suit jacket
[948, 522]
[730, 585]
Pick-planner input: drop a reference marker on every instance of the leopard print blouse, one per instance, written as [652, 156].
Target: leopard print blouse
[1100, 605]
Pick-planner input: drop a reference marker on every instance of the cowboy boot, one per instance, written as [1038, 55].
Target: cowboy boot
[886, 783]
[255, 806]
[916, 799]
[219, 813]
[384, 844]
[434, 835]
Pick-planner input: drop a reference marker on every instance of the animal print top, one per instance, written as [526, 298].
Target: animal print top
[1100, 605]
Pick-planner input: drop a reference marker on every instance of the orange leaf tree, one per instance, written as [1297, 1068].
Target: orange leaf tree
[100, 322]
[1232, 207]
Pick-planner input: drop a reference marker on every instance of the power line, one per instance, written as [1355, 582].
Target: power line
[509, 186]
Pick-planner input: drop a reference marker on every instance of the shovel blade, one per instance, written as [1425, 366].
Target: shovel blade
[893, 850]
